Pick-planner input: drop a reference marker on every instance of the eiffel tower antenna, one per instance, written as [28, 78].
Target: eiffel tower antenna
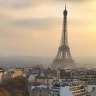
[65, 6]
[63, 58]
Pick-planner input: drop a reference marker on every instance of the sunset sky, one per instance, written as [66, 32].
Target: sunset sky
[33, 27]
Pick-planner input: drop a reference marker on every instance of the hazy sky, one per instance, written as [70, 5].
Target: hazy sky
[33, 27]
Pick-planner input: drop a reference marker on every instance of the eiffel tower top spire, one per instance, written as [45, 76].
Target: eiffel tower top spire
[65, 11]
[65, 6]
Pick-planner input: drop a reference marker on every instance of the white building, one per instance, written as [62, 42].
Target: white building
[92, 93]
[40, 90]
[90, 87]
[1, 74]
[17, 72]
[32, 78]
[66, 90]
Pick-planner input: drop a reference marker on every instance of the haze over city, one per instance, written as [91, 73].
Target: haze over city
[33, 27]
[47, 48]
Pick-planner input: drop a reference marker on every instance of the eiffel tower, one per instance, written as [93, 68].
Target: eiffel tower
[63, 58]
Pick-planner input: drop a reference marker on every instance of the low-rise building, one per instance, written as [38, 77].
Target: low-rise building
[1, 74]
[92, 93]
[44, 79]
[65, 89]
[17, 72]
[36, 89]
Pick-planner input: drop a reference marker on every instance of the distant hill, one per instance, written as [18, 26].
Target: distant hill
[24, 61]
[36, 60]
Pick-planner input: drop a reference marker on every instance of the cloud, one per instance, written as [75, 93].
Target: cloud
[24, 23]
[72, 0]
[21, 29]
[22, 3]
[31, 3]
[17, 3]
[37, 23]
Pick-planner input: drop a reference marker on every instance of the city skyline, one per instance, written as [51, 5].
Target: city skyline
[34, 27]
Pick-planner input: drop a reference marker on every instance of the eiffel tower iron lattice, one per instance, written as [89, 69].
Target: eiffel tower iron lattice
[63, 58]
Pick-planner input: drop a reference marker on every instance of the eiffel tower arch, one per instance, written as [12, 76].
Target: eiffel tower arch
[63, 58]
